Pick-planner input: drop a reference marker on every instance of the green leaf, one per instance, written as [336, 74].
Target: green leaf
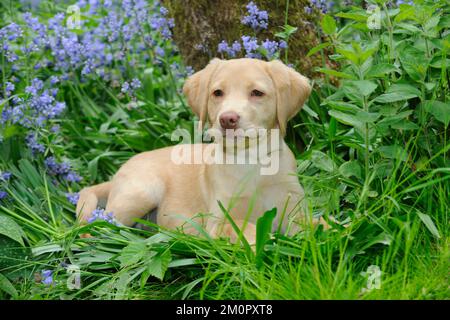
[346, 118]
[399, 92]
[352, 16]
[157, 265]
[263, 229]
[393, 152]
[328, 24]
[11, 229]
[133, 253]
[7, 286]
[363, 87]
[322, 161]
[380, 70]
[426, 219]
[335, 73]
[440, 110]
[318, 48]
[367, 117]
[351, 168]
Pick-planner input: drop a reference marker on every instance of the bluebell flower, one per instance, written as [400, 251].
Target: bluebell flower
[9, 88]
[5, 175]
[61, 170]
[47, 277]
[3, 195]
[100, 214]
[256, 19]
[32, 143]
[250, 46]
[271, 48]
[73, 197]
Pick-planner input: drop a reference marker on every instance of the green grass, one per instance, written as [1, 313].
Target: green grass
[378, 166]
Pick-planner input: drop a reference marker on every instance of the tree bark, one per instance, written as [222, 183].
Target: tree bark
[200, 25]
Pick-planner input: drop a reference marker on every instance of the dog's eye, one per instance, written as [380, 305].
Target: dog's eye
[218, 93]
[256, 93]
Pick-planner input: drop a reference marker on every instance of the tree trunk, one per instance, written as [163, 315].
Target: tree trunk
[200, 25]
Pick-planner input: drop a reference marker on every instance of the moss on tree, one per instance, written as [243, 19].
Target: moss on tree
[200, 25]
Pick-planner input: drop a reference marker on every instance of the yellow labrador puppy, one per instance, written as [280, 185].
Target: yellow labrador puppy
[232, 95]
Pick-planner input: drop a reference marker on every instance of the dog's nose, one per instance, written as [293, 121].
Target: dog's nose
[229, 120]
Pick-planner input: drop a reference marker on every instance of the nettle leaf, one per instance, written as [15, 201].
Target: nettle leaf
[398, 92]
[367, 117]
[405, 125]
[381, 70]
[346, 118]
[158, 264]
[393, 152]
[335, 73]
[11, 229]
[440, 110]
[328, 24]
[353, 16]
[351, 168]
[414, 62]
[318, 48]
[322, 161]
[133, 253]
[363, 87]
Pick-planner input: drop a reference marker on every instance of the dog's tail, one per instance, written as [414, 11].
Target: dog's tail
[90, 197]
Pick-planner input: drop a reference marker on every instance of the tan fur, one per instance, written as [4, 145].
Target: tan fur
[180, 192]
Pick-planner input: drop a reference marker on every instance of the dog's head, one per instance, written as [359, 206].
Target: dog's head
[246, 94]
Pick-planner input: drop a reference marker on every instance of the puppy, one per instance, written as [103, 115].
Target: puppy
[232, 96]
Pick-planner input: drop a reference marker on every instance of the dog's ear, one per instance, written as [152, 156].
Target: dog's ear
[196, 89]
[292, 91]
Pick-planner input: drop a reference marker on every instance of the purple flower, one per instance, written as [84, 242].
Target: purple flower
[32, 143]
[47, 277]
[322, 5]
[62, 170]
[232, 51]
[100, 214]
[73, 197]
[270, 47]
[135, 83]
[3, 195]
[250, 46]
[256, 19]
[9, 88]
[5, 175]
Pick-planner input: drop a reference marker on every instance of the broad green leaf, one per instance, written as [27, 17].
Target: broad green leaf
[328, 24]
[346, 118]
[263, 229]
[322, 161]
[405, 125]
[351, 168]
[380, 70]
[6, 286]
[440, 110]
[11, 229]
[133, 253]
[335, 73]
[399, 92]
[318, 48]
[367, 117]
[393, 152]
[352, 16]
[363, 87]
[428, 222]
[158, 264]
